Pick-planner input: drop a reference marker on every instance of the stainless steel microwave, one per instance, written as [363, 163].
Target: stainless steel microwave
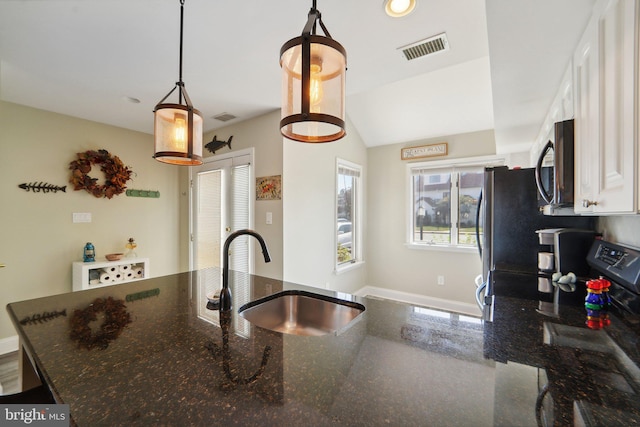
[555, 183]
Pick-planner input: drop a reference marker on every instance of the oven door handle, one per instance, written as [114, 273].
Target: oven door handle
[543, 192]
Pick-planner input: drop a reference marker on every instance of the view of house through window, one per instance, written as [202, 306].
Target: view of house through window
[347, 199]
[445, 203]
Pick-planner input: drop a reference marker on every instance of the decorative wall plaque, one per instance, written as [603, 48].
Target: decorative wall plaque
[431, 150]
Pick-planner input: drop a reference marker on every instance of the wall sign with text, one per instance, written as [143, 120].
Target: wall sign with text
[431, 150]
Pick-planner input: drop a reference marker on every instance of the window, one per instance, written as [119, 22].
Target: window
[348, 209]
[444, 203]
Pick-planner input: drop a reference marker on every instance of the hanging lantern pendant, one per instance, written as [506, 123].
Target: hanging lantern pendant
[313, 85]
[178, 127]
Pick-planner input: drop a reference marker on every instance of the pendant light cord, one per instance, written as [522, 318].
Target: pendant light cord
[315, 11]
[315, 17]
[180, 60]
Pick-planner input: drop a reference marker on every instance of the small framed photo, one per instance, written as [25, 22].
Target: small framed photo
[431, 150]
[269, 187]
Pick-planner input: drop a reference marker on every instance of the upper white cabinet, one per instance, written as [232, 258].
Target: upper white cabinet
[605, 76]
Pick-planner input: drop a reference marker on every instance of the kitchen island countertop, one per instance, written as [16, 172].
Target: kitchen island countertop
[396, 364]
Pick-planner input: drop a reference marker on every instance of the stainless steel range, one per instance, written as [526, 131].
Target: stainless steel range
[618, 262]
[615, 346]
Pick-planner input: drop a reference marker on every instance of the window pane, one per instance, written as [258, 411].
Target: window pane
[470, 186]
[208, 219]
[432, 208]
[346, 215]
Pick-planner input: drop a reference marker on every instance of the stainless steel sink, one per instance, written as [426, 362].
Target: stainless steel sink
[301, 313]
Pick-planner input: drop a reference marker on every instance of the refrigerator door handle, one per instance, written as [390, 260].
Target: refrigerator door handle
[478, 242]
[543, 192]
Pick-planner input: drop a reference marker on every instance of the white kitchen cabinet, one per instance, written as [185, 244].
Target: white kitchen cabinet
[89, 275]
[605, 79]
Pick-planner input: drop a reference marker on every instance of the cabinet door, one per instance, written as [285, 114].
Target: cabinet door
[586, 117]
[616, 142]
[604, 75]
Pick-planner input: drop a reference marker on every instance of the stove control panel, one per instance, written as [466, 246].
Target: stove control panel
[611, 255]
[616, 262]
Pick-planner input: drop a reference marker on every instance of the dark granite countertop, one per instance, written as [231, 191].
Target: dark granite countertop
[397, 364]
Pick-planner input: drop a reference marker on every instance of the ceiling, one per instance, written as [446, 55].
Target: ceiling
[87, 58]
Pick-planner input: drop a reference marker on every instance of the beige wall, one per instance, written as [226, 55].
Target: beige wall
[390, 263]
[39, 240]
[309, 193]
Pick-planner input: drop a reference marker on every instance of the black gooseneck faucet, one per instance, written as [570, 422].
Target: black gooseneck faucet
[225, 293]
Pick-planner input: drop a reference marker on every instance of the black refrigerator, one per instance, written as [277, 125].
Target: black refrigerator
[510, 214]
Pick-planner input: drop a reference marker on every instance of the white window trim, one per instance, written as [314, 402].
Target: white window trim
[343, 268]
[441, 248]
[461, 163]
[357, 226]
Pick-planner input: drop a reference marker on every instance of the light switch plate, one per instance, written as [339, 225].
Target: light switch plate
[81, 217]
[269, 218]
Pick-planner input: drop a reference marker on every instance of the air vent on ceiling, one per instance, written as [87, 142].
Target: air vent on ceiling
[224, 117]
[425, 47]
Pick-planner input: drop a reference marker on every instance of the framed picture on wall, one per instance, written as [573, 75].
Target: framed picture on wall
[269, 187]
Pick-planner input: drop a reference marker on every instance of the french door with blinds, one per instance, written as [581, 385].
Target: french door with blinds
[222, 203]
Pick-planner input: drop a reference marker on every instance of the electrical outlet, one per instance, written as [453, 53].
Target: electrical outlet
[441, 280]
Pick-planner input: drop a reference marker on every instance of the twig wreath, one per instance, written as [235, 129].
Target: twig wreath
[116, 173]
[116, 318]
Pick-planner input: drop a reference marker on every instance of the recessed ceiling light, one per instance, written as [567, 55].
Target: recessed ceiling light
[398, 8]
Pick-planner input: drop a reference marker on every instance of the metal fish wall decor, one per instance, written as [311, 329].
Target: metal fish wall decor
[215, 144]
[42, 187]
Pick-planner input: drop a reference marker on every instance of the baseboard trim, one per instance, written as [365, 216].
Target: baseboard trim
[9, 345]
[409, 298]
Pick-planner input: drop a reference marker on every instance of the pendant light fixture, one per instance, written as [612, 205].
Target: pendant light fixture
[178, 127]
[313, 85]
